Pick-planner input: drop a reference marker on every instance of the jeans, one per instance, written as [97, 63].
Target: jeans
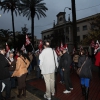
[38, 72]
[7, 82]
[61, 74]
[85, 81]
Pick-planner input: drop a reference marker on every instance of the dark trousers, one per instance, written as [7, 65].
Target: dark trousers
[38, 72]
[67, 80]
[13, 84]
[61, 74]
[21, 81]
[7, 82]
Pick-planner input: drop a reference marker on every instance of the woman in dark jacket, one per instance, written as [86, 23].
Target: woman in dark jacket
[85, 73]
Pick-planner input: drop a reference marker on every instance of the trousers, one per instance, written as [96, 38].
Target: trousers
[7, 83]
[50, 84]
[85, 81]
[67, 80]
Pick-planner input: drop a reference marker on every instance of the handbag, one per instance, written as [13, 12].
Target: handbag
[79, 69]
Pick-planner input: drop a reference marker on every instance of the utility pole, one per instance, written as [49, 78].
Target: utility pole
[74, 24]
[65, 22]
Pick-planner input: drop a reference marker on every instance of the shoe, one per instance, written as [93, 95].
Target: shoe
[71, 88]
[46, 97]
[19, 93]
[60, 82]
[66, 91]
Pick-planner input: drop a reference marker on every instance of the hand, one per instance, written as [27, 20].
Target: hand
[63, 69]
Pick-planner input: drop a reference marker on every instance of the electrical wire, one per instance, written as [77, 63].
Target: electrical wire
[88, 7]
[71, 13]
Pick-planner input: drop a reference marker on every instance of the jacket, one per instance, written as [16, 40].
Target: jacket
[66, 61]
[97, 59]
[21, 67]
[86, 69]
[47, 62]
[4, 68]
[60, 62]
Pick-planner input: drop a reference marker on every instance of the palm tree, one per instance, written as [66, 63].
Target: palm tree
[30, 8]
[11, 5]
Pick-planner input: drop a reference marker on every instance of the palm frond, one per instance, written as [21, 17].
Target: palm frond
[35, 6]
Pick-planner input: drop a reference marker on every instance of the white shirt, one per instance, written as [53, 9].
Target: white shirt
[47, 62]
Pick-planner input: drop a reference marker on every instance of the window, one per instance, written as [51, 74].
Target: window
[84, 27]
[44, 37]
[78, 38]
[78, 29]
[60, 19]
[84, 36]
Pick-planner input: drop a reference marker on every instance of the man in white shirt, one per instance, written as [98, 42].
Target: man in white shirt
[48, 64]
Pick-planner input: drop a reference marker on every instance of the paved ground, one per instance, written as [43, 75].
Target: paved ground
[29, 96]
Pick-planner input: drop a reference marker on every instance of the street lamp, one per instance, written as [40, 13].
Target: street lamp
[65, 22]
[0, 15]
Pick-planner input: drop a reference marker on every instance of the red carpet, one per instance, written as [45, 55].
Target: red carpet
[76, 94]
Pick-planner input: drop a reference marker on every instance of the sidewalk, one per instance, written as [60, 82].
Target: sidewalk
[94, 90]
[29, 96]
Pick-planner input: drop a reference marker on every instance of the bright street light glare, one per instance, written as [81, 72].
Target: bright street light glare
[0, 15]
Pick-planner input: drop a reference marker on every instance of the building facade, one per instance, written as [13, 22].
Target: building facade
[84, 26]
[62, 31]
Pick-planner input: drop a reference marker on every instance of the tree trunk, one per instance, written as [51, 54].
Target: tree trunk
[32, 30]
[14, 44]
[74, 24]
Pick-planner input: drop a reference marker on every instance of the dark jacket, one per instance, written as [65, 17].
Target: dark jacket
[4, 68]
[86, 69]
[12, 67]
[66, 61]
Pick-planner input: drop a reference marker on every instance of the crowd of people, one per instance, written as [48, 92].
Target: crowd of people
[16, 67]
[64, 62]
[14, 70]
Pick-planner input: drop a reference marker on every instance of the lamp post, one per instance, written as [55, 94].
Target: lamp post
[65, 22]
